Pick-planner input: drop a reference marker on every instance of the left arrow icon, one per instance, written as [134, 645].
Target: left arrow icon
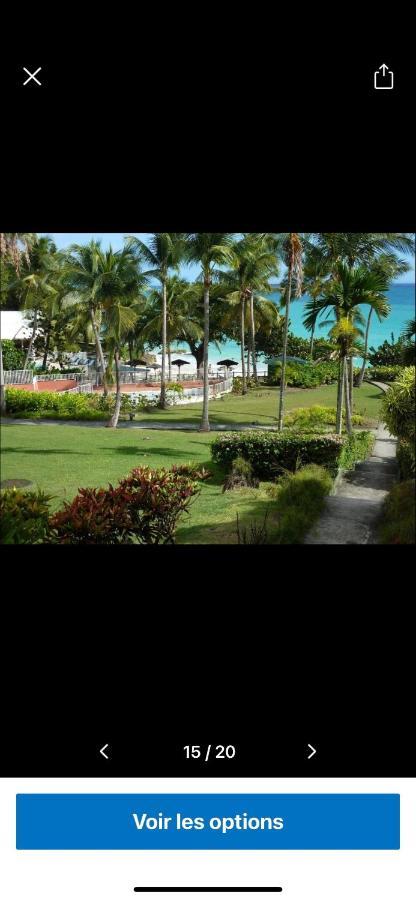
[103, 753]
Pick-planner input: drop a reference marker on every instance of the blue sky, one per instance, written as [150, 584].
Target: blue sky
[63, 239]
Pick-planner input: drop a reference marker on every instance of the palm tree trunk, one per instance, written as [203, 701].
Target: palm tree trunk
[285, 337]
[32, 338]
[243, 361]
[205, 408]
[312, 342]
[99, 348]
[131, 351]
[351, 382]
[115, 417]
[347, 399]
[248, 359]
[170, 362]
[164, 342]
[340, 396]
[48, 340]
[2, 386]
[253, 338]
[367, 335]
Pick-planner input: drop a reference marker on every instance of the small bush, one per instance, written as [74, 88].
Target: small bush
[308, 375]
[305, 419]
[192, 470]
[144, 509]
[268, 451]
[299, 502]
[357, 447]
[13, 356]
[24, 516]
[238, 384]
[254, 534]
[383, 373]
[241, 475]
[398, 406]
[406, 459]
[397, 525]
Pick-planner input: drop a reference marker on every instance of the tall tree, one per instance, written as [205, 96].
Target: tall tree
[293, 257]
[163, 253]
[181, 321]
[209, 250]
[349, 288]
[12, 247]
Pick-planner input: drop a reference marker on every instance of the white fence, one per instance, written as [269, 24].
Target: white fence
[62, 376]
[18, 376]
[86, 388]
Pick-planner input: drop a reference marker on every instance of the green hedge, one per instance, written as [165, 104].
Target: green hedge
[271, 454]
[406, 459]
[307, 375]
[397, 524]
[51, 404]
[399, 407]
[384, 373]
[357, 446]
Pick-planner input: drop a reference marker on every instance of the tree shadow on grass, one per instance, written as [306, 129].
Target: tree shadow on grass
[225, 532]
[43, 452]
[138, 451]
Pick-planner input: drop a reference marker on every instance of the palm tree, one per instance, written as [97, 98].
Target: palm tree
[210, 250]
[181, 321]
[408, 334]
[121, 299]
[293, 253]
[12, 247]
[83, 275]
[38, 282]
[255, 264]
[344, 333]
[348, 289]
[163, 253]
[389, 266]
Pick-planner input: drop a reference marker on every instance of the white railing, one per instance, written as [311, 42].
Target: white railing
[18, 376]
[62, 376]
[80, 389]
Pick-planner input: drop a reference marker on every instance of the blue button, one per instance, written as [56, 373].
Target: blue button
[208, 821]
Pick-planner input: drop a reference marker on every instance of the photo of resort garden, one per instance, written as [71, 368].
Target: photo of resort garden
[207, 388]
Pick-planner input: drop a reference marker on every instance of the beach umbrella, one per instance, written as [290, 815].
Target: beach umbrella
[227, 363]
[179, 363]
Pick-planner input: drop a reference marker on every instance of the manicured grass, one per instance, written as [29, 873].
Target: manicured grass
[260, 406]
[60, 458]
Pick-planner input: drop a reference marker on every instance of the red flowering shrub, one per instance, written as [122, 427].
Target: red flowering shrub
[144, 508]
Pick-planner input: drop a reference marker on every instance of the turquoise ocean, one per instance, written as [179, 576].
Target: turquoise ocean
[402, 301]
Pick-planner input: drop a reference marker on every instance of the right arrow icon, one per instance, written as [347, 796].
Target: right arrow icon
[313, 751]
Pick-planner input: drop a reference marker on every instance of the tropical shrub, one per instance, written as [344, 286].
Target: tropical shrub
[390, 353]
[51, 404]
[192, 470]
[397, 523]
[175, 388]
[398, 406]
[255, 533]
[304, 419]
[13, 357]
[269, 452]
[383, 373]
[241, 475]
[357, 447]
[144, 508]
[24, 516]
[308, 375]
[238, 384]
[299, 502]
[406, 459]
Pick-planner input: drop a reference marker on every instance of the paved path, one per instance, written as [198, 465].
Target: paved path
[148, 426]
[351, 514]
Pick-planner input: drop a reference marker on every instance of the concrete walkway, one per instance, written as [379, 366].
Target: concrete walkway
[147, 426]
[351, 514]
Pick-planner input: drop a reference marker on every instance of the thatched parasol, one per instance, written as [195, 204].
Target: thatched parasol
[179, 363]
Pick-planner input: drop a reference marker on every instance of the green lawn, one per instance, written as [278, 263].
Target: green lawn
[61, 458]
[259, 406]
